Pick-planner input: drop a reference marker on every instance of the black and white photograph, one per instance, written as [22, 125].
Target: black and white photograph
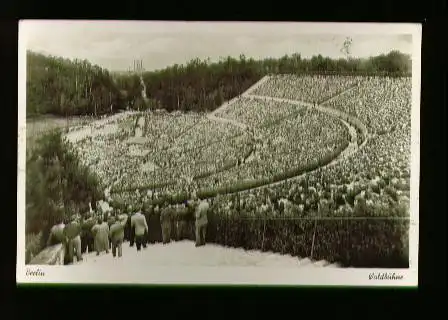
[223, 153]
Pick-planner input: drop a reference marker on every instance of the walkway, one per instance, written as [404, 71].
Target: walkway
[185, 254]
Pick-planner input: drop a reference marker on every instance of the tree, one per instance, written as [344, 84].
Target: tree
[57, 184]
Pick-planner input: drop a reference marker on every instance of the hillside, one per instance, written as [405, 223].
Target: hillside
[63, 87]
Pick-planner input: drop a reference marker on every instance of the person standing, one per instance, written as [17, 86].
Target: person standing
[138, 222]
[181, 222]
[86, 234]
[110, 222]
[116, 234]
[129, 228]
[56, 233]
[201, 222]
[165, 222]
[72, 233]
[101, 233]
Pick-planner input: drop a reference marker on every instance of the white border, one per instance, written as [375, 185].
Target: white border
[240, 275]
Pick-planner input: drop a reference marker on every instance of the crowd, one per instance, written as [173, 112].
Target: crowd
[382, 104]
[256, 112]
[293, 142]
[100, 232]
[376, 177]
[187, 157]
[375, 181]
[312, 89]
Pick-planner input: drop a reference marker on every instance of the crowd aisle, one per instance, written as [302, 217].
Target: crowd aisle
[372, 181]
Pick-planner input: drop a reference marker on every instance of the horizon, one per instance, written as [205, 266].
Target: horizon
[163, 44]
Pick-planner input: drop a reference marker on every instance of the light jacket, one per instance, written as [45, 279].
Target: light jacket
[139, 222]
[201, 213]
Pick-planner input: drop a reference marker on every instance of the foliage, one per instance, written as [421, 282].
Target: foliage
[352, 243]
[63, 87]
[57, 184]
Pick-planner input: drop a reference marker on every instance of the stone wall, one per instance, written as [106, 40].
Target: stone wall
[53, 255]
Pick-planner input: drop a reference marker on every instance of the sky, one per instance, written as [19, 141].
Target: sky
[115, 44]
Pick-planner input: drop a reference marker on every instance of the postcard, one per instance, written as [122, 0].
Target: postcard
[218, 153]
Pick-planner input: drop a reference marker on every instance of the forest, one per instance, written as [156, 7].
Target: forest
[57, 186]
[66, 87]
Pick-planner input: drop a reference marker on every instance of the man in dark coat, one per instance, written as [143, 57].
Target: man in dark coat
[86, 234]
[181, 222]
[148, 212]
[130, 231]
[165, 222]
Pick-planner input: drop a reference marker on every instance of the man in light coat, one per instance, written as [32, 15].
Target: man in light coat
[201, 222]
[138, 222]
[101, 233]
[116, 234]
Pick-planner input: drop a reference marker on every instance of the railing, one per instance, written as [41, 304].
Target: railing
[53, 255]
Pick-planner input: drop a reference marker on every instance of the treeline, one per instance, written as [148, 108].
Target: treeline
[203, 86]
[57, 186]
[69, 87]
[64, 87]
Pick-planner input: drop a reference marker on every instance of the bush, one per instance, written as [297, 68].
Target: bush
[352, 243]
[33, 245]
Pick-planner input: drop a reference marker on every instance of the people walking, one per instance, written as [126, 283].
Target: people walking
[101, 236]
[72, 233]
[116, 234]
[138, 222]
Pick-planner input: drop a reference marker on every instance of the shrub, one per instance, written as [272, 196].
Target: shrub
[352, 243]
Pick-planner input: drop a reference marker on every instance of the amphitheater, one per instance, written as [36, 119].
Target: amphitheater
[339, 133]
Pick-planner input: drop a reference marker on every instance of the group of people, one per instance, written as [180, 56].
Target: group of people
[290, 143]
[107, 232]
[374, 181]
[311, 89]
